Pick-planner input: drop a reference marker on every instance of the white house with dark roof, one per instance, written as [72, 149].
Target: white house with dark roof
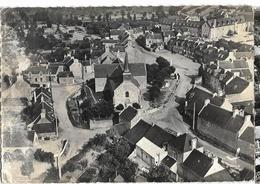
[154, 39]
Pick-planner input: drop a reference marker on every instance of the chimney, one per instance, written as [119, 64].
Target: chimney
[43, 113]
[217, 64]
[34, 96]
[214, 95]
[206, 102]
[235, 113]
[247, 118]
[194, 143]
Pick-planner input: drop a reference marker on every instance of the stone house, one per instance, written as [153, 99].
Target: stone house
[215, 29]
[222, 126]
[198, 167]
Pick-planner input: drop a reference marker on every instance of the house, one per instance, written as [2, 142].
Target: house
[44, 123]
[149, 152]
[66, 78]
[137, 132]
[198, 167]
[168, 34]
[114, 33]
[196, 98]
[154, 40]
[246, 143]
[125, 118]
[222, 126]
[215, 29]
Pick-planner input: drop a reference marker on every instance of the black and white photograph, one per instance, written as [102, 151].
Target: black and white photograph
[130, 94]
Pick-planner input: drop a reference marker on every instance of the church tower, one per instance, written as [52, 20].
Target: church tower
[126, 74]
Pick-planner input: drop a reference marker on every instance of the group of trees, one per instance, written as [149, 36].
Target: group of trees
[156, 75]
[160, 173]
[43, 156]
[114, 161]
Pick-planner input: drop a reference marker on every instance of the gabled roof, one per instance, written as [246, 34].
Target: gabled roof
[237, 64]
[198, 163]
[137, 132]
[44, 90]
[183, 143]
[37, 69]
[65, 74]
[222, 118]
[198, 95]
[236, 85]
[44, 128]
[116, 32]
[128, 114]
[159, 136]
[168, 161]
[153, 36]
[116, 69]
[248, 135]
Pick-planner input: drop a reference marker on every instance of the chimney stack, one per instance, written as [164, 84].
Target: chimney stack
[235, 113]
[194, 143]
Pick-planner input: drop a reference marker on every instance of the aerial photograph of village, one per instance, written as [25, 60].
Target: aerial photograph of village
[129, 94]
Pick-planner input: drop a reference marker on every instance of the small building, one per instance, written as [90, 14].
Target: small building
[171, 163]
[198, 167]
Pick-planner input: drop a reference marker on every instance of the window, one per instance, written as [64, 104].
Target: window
[41, 79]
[35, 79]
[127, 94]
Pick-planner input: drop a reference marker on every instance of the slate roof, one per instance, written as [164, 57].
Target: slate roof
[159, 136]
[116, 32]
[168, 161]
[40, 90]
[137, 132]
[183, 143]
[65, 74]
[152, 36]
[114, 70]
[237, 64]
[128, 114]
[198, 96]
[222, 118]
[248, 135]
[236, 85]
[52, 69]
[225, 21]
[44, 128]
[198, 163]
[221, 176]
[37, 69]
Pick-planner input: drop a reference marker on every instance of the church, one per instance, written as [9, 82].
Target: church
[125, 81]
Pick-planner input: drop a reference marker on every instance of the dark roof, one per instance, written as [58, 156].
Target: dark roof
[236, 85]
[198, 96]
[44, 128]
[37, 69]
[237, 64]
[159, 136]
[137, 132]
[222, 118]
[128, 114]
[183, 143]
[225, 21]
[227, 76]
[168, 161]
[153, 36]
[198, 163]
[116, 69]
[220, 176]
[52, 69]
[44, 90]
[116, 32]
[67, 61]
[119, 129]
[248, 135]
[65, 74]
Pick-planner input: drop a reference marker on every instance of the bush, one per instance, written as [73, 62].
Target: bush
[43, 156]
[136, 105]
[120, 107]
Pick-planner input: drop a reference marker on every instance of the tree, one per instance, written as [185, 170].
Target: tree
[154, 92]
[173, 10]
[134, 17]
[27, 168]
[43, 156]
[162, 62]
[120, 107]
[144, 15]
[122, 14]
[129, 16]
[160, 12]
[128, 170]
[136, 105]
[160, 173]
[99, 18]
